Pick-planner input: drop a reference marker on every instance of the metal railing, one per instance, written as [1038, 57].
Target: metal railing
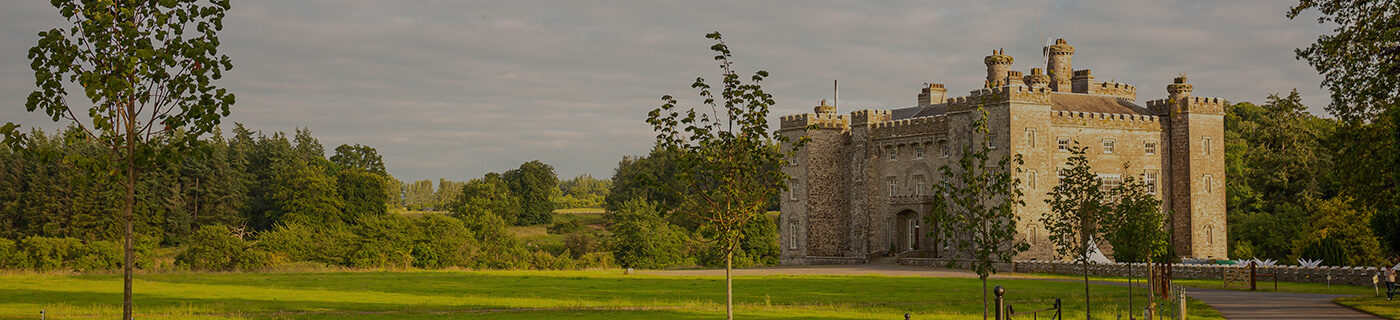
[1005, 312]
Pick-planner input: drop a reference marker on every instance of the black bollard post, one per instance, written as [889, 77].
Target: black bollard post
[1000, 304]
[906, 316]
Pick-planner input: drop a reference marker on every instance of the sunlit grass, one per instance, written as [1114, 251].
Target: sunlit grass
[600, 294]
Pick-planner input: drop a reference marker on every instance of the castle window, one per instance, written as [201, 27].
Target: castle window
[919, 152]
[894, 153]
[1210, 235]
[1109, 181]
[1062, 144]
[1030, 179]
[892, 186]
[1206, 144]
[1108, 145]
[1060, 175]
[919, 187]
[1210, 181]
[1030, 137]
[943, 145]
[1149, 148]
[991, 140]
[1150, 179]
[1032, 232]
[793, 185]
[792, 235]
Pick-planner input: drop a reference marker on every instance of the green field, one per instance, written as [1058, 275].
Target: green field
[599, 294]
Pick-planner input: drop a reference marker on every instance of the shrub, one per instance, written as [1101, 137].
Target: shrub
[383, 242]
[295, 242]
[98, 256]
[46, 253]
[579, 243]
[214, 248]
[443, 242]
[761, 241]
[10, 254]
[565, 227]
[642, 239]
[599, 259]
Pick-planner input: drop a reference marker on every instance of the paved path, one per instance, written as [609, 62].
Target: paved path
[1237, 305]
[1234, 305]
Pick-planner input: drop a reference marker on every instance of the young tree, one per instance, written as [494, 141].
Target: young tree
[1077, 210]
[975, 206]
[723, 158]
[1134, 226]
[145, 68]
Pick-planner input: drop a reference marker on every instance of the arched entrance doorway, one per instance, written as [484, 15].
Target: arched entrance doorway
[910, 229]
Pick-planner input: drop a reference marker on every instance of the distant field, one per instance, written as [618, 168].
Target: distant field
[605, 294]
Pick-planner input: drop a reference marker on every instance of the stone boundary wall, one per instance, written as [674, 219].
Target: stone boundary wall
[1357, 276]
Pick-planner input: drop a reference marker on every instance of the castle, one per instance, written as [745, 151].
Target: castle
[861, 187]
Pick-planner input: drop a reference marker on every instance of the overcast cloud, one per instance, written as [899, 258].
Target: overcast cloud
[456, 89]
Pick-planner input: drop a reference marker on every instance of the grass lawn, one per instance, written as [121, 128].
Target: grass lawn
[1364, 300]
[1373, 305]
[603, 294]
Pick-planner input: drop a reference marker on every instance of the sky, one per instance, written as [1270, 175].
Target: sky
[457, 89]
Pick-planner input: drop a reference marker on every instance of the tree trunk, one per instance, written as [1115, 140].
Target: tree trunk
[1130, 291]
[1152, 289]
[729, 283]
[1085, 268]
[984, 298]
[128, 250]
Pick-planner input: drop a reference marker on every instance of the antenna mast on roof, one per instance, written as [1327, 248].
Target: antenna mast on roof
[835, 92]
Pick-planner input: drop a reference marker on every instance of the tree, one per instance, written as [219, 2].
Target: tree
[1077, 210]
[1339, 235]
[304, 194]
[361, 193]
[1134, 226]
[723, 158]
[535, 183]
[488, 195]
[146, 68]
[647, 177]
[358, 156]
[975, 204]
[1360, 65]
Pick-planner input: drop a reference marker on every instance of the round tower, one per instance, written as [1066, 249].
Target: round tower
[1059, 66]
[1179, 90]
[825, 109]
[997, 66]
[1037, 78]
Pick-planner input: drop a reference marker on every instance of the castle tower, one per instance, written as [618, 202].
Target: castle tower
[1037, 78]
[824, 109]
[1195, 136]
[998, 64]
[814, 220]
[1059, 65]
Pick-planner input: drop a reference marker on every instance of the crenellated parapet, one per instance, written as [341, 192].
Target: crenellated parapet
[1105, 120]
[819, 120]
[1202, 105]
[908, 127]
[1116, 89]
[987, 97]
[869, 116]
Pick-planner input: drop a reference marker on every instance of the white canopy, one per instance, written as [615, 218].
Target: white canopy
[1095, 255]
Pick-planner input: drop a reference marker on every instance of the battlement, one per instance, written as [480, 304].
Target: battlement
[820, 121]
[1111, 120]
[990, 96]
[1116, 89]
[935, 124]
[870, 116]
[1188, 104]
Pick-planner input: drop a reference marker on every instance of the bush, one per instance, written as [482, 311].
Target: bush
[214, 248]
[98, 256]
[565, 227]
[443, 242]
[46, 253]
[383, 242]
[760, 242]
[296, 242]
[579, 244]
[642, 239]
[598, 259]
[10, 254]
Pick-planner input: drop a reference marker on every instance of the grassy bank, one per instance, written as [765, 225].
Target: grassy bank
[604, 294]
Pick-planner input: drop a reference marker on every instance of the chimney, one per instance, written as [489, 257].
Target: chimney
[1082, 82]
[932, 93]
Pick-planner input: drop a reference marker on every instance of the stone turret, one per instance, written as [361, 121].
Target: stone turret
[1059, 66]
[1179, 89]
[1015, 78]
[1037, 78]
[824, 108]
[932, 93]
[998, 64]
